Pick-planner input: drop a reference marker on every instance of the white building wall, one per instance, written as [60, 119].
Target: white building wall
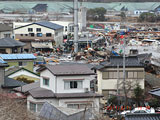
[23, 72]
[85, 83]
[52, 80]
[95, 102]
[111, 84]
[31, 99]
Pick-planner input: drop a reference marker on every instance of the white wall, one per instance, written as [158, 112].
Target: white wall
[52, 80]
[6, 32]
[95, 102]
[85, 83]
[23, 72]
[111, 84]
[56, 83]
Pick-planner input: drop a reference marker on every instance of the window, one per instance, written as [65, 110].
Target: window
[26, 34]
[48, 34]
[140, 74]
[32, 107]
[39, 34]
[105, 75]
[46, 81]
[21, 34]
[22, 63]
[7, 35]
[79, 106]
[65, 28]
[72, 84]
[30, 29]
[39, 106]
[31, 34]
[38, 29]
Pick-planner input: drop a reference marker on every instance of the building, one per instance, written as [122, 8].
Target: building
[52, 112]
[139, 11]
[5, 31]
[40, 8]
[42, 36]
[9, 46]
[110, 74]
[17, 72]
[21, 60]
[64, 85]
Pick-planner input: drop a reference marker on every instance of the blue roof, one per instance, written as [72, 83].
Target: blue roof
[17, 56]
[49, 25]
[2, 61]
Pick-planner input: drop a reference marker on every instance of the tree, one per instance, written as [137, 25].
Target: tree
[147, 17]
[138, 94]
[96, 14]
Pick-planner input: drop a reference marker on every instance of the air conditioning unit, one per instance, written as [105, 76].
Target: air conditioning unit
[86, 90]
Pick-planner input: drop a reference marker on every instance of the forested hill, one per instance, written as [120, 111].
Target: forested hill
[92, 0]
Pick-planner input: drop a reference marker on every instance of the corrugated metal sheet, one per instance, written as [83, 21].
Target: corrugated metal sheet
[17, 56]
[142, 117]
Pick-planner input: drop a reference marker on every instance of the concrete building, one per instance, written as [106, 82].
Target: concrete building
[5, 31]
[110, 73]
[64, 85]
[39, 35]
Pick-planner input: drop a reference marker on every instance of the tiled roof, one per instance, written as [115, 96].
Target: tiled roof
[9, 42]
[70, 69]
[49, 25]
[40, 8]
[4, 28]
[142, 117]
[49, 111]
[9, 82]
[28, 87]
[131, 61]
[17, 56]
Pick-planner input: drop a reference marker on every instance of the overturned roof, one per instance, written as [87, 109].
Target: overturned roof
[9, 42]
[51, 112]
[155, 92]
[142, 116]
[69, 69]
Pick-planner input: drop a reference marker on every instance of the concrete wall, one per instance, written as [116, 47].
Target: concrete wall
[56, 83]
[111, 84]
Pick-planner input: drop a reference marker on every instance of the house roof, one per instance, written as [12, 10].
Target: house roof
[49, 111]
[4, 27]
[15, 69]
[41, 93]
[27, 87]
[46, 24]
[142, 116]
[69, 69]
[155, 92]
[40, 8]
[9, 42]
[10, 83]
[17, 56]
[130, 61]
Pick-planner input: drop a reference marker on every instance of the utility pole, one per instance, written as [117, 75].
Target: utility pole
[75, 26]
[124, 73]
